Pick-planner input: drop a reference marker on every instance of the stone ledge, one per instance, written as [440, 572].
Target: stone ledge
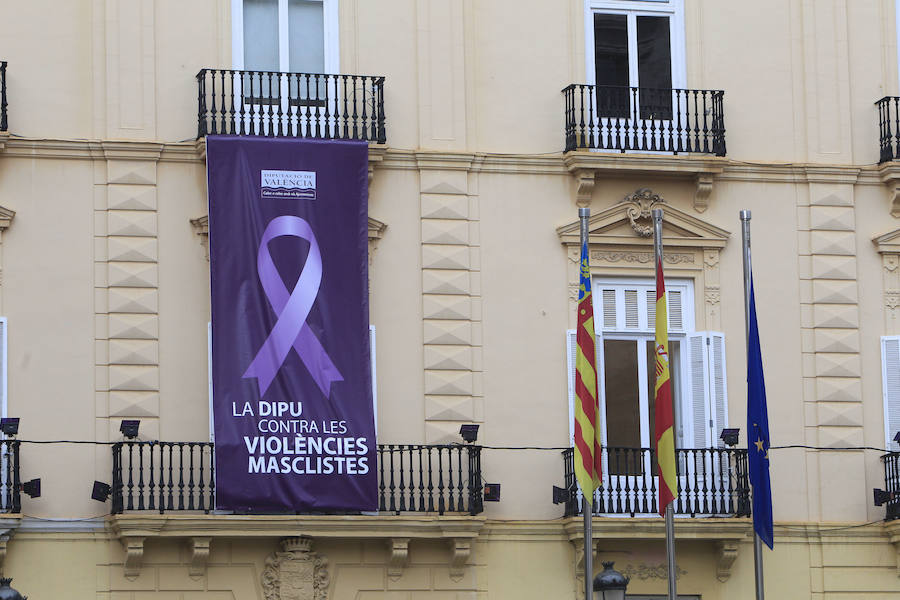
[726, 535]
[200, 530]
[586, 166]
[321, 526]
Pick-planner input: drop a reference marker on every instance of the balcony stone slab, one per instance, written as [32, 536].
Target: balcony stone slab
[587, 166]
[200, 531]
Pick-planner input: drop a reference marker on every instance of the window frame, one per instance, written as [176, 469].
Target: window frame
[639, 335]
[674, 9]
[331, 36]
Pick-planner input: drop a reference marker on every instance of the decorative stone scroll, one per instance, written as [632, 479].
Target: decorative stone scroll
[642, 202]
[295, 573]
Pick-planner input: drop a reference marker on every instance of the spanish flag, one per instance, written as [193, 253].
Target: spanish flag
[665, 421]
[587, 439]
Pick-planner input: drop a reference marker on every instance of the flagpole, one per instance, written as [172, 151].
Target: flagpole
[584, 215]
[657, 215]
[745, 241]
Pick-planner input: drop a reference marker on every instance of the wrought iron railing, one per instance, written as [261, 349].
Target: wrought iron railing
[310, 105]
[3, 122]
[711, 481]
[179, 476]
[10, 480]
[630, 119]
[891, 485]
[888, 128]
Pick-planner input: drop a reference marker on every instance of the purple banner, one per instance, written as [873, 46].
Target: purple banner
[292, 389]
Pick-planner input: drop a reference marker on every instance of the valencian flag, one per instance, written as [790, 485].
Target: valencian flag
[758, 433]
[665, 422]
[587, 439]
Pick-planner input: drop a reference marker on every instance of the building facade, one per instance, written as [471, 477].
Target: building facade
[489, 123]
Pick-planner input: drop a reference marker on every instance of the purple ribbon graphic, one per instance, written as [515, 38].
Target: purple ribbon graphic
[290, 329]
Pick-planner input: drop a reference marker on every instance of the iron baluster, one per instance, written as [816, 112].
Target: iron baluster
[141, 477]
[130, 496]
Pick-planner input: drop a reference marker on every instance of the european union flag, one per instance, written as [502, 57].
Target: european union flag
[758, 433]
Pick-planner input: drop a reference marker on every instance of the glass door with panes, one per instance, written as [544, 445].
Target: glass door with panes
[624, 320]
[285, 50]
[634, 72]
[626, 336]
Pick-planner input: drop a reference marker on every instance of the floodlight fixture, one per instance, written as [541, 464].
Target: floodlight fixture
[101, 491]
[492, 492]
[469, 432]
[560, 495]
[32, 488]
[897, 437]
[881, 497]
[730, 436]
[9, 425]
[129, 428]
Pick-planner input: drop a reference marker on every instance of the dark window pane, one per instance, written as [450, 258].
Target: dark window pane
[611, 64]
[654, 67]
[623, 417]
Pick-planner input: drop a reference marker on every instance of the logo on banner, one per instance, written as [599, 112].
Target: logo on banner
[288, 185]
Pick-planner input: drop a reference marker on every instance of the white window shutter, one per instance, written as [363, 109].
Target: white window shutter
[697, 391]
[674, 309]
[374, 379]
[890, 376]
[718, 388]
[570, 379]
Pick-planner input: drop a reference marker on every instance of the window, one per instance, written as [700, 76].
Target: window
[297, 36]
[890, 377]
[625, 317]
[635, 44]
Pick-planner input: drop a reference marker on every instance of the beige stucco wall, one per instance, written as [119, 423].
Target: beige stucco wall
[104, 176]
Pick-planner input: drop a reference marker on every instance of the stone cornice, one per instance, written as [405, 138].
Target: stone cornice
[686, 166]
[321, 526]
[6, 217]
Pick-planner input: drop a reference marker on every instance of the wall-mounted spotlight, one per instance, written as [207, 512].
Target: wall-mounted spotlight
[881, 497]
[560, 495]
[32, 488]
[469, 433]
[897, 437]
[129, 428]
[730, 436]
[101, 491]
[492, 492]
[9, 425]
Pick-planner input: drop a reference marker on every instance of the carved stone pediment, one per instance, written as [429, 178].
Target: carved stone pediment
[621, 244]
[888, 243]
[627, 222]
[295, 573]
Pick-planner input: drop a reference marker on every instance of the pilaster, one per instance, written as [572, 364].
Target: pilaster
[451, 296]
[126, 287]
[830, 338]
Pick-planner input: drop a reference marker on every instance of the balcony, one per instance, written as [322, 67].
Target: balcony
[711, 482]
[888, 128]
[10, 480]
[891, 500]
[425, 492]
[630, 119]
[3, 123]
[301, 105]
[179, 477]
